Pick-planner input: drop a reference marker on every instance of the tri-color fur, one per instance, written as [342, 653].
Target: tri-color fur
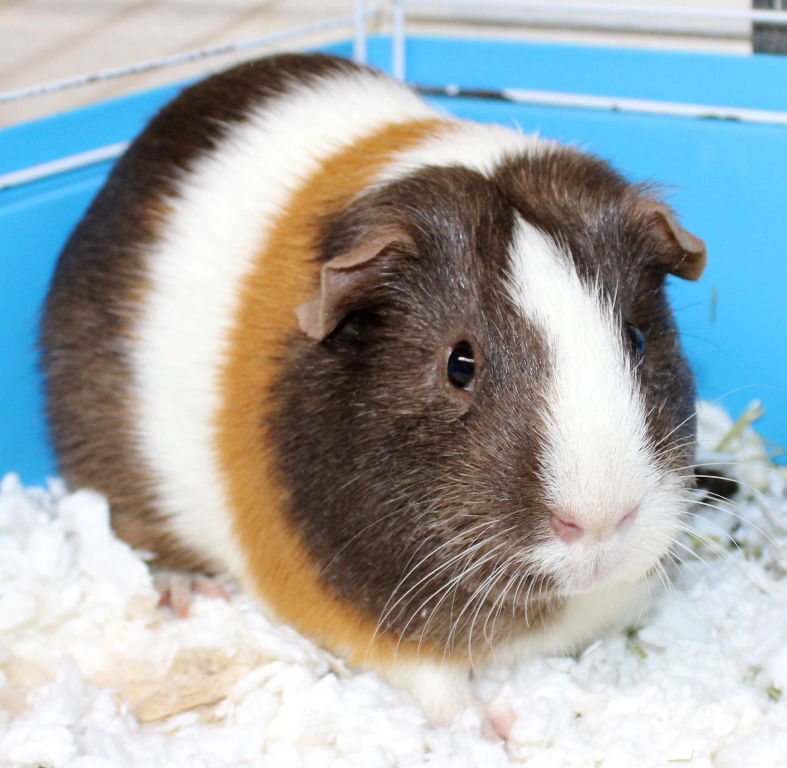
[245, 346]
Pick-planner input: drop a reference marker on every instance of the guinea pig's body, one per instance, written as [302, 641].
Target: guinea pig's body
[385, 366]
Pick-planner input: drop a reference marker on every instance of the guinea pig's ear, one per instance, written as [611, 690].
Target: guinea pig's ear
[687, 254]
[343, 279]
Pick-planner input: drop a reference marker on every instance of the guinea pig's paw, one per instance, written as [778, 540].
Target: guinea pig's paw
[441, 688]
[177, 590]
[499, 719]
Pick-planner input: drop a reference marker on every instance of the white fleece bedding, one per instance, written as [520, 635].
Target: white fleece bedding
[94, 674]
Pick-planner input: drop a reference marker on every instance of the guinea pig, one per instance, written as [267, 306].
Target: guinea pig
[414, 380]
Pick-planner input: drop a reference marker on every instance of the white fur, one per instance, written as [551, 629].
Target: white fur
[442, 688]
[584, 618]
[220, 221]
[597, 455]
[462, 142]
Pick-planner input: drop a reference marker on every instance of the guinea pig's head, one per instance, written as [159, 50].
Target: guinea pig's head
[487, 409]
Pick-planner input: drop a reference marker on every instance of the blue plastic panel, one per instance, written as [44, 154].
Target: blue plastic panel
[728, 180]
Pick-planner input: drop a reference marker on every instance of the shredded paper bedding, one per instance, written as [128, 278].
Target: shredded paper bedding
[94, 673]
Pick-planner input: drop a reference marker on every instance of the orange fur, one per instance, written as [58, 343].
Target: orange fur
[286, 275]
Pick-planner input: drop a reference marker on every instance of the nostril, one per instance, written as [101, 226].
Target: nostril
[565, 529]
[627, 520]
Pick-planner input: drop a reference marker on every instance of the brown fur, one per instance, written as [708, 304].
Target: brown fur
[286, 275]
[100, 282]
[346, 455]
[393, 472]
[383, 465]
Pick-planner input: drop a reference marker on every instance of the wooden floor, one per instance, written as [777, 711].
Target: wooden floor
[45, 40]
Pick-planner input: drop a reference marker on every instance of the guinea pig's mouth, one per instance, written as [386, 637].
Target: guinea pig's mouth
[605, 565]
[627, 546]
[599, 581]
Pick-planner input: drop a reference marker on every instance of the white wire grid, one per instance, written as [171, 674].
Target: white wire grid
[357, 21]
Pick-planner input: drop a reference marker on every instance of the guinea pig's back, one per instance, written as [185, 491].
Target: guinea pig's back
[146, 292]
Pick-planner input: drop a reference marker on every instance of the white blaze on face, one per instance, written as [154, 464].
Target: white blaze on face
[597, 463]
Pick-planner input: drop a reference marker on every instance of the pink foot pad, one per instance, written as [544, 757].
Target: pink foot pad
[499, 718]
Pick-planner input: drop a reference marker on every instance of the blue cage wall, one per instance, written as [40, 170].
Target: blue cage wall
[727, 178]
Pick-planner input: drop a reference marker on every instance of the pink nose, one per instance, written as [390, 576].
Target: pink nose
[568, 528]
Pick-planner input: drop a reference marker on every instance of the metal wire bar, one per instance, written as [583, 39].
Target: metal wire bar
[359, 38]
[398, 63]
[612, 104]
[169, 61]
[770, 17]
[62, 165]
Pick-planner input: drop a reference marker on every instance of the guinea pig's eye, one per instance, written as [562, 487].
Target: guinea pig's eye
[461, 365]
[636, 337]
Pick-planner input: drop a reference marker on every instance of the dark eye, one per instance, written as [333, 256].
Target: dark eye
[636, 337]
[461, 365]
